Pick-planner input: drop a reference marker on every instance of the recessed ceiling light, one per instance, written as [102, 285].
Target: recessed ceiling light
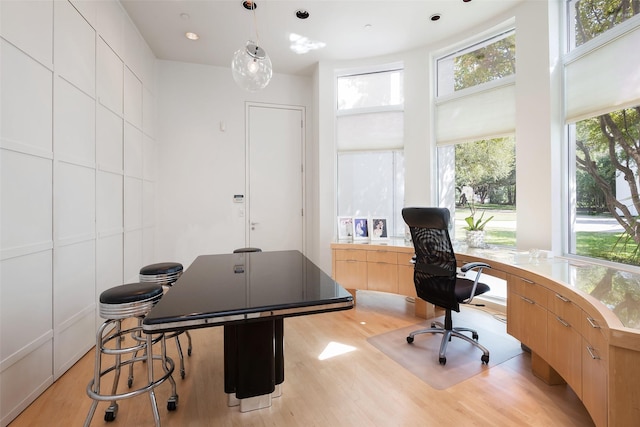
[302, 14]
[435, 17]
[185, 16]
[191, 36]
[367, 26]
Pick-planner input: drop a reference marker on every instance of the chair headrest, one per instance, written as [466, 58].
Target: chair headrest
[437, 218]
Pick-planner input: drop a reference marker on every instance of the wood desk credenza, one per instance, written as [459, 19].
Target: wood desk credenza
[580, 320]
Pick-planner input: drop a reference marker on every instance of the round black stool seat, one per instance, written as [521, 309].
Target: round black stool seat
[131, 300]
[243, 250]
[162, 268]
[164, 273]
[133, 292]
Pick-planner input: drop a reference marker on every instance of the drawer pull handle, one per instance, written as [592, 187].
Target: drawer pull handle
[525, 299]
[527, 281]
[562, 322]
[592, 353]
[561, 298]
[593, 322]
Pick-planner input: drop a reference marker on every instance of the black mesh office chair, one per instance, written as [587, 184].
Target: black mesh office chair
[435, 275]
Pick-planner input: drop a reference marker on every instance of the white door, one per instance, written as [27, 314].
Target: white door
[275, 170]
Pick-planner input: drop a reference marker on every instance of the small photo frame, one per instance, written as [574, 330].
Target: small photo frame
[379, 230]
[360, 228]
[345, 228]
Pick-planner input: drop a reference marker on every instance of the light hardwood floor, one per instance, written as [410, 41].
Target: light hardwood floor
[359, 388]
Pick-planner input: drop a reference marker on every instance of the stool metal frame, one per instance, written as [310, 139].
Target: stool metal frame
[115, 314]
[167, 279]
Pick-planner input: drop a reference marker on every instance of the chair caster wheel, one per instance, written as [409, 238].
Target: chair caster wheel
[182, 374]
[442, 360]
[433, 324]
[189, 352]
[475, 336]
[130, 382]
[409, 340]
[485, 359]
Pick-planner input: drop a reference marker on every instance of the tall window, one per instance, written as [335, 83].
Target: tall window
[369, 139]
[603, 118]
[475, 124]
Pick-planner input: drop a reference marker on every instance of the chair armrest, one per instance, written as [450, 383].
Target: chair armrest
[472, 265]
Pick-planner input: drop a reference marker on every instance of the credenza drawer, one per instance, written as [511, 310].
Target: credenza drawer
[386, 257]
[350, 255]
[564, 308]
[528, 289]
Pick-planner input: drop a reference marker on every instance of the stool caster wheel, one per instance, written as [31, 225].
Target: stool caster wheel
[172, 403]
[409, 339]
[485, 359]
[111, 412]
[475, 336]
[442, 360]
[130, 382]
[182, 373]
[189, 352]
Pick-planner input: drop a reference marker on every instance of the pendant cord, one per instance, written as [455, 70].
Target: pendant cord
[255, 24]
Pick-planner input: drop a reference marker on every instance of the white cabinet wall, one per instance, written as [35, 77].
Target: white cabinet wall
[77, 181]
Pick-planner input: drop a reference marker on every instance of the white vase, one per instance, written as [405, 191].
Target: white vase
[475, 238]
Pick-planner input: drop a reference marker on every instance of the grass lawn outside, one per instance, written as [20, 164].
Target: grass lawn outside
[501, 231]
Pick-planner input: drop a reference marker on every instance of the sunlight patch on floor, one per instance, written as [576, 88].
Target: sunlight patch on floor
[335, 349]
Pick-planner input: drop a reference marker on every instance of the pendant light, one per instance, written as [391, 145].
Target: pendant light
[251, 66]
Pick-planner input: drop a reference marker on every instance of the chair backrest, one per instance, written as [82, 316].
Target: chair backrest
[435, 263]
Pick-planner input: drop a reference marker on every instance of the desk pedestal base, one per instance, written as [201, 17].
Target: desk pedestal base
[256, 402]
[253, 363]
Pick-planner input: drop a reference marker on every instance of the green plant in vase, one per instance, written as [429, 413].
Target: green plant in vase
[475, 228]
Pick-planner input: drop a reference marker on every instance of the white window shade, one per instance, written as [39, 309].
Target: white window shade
[371, 131]
[481, 114]
[607, 78]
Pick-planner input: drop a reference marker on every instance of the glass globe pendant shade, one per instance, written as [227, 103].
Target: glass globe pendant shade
[251, 67]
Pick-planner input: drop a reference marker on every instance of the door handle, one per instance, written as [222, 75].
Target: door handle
[253, 225]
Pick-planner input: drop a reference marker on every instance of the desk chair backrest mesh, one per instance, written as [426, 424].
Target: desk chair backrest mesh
[435, 274]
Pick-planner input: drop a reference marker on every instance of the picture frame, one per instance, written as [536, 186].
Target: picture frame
[379, 230]
[360, 228]
[345, 228]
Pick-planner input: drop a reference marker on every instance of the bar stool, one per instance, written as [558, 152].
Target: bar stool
[166, 274]
[130, 301]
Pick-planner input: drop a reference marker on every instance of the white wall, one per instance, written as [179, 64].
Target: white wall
[201, 166]
[77, 157]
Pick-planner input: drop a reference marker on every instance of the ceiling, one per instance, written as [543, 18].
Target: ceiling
[350, 29]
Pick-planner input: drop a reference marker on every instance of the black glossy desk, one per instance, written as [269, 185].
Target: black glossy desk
[249, 294]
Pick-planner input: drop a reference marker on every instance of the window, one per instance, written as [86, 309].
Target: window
[492, 59]
[369, 141]
[474, 127]
[607, 196]
[479, 177]
[590, 18]
[603, 130]
[476, 91]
